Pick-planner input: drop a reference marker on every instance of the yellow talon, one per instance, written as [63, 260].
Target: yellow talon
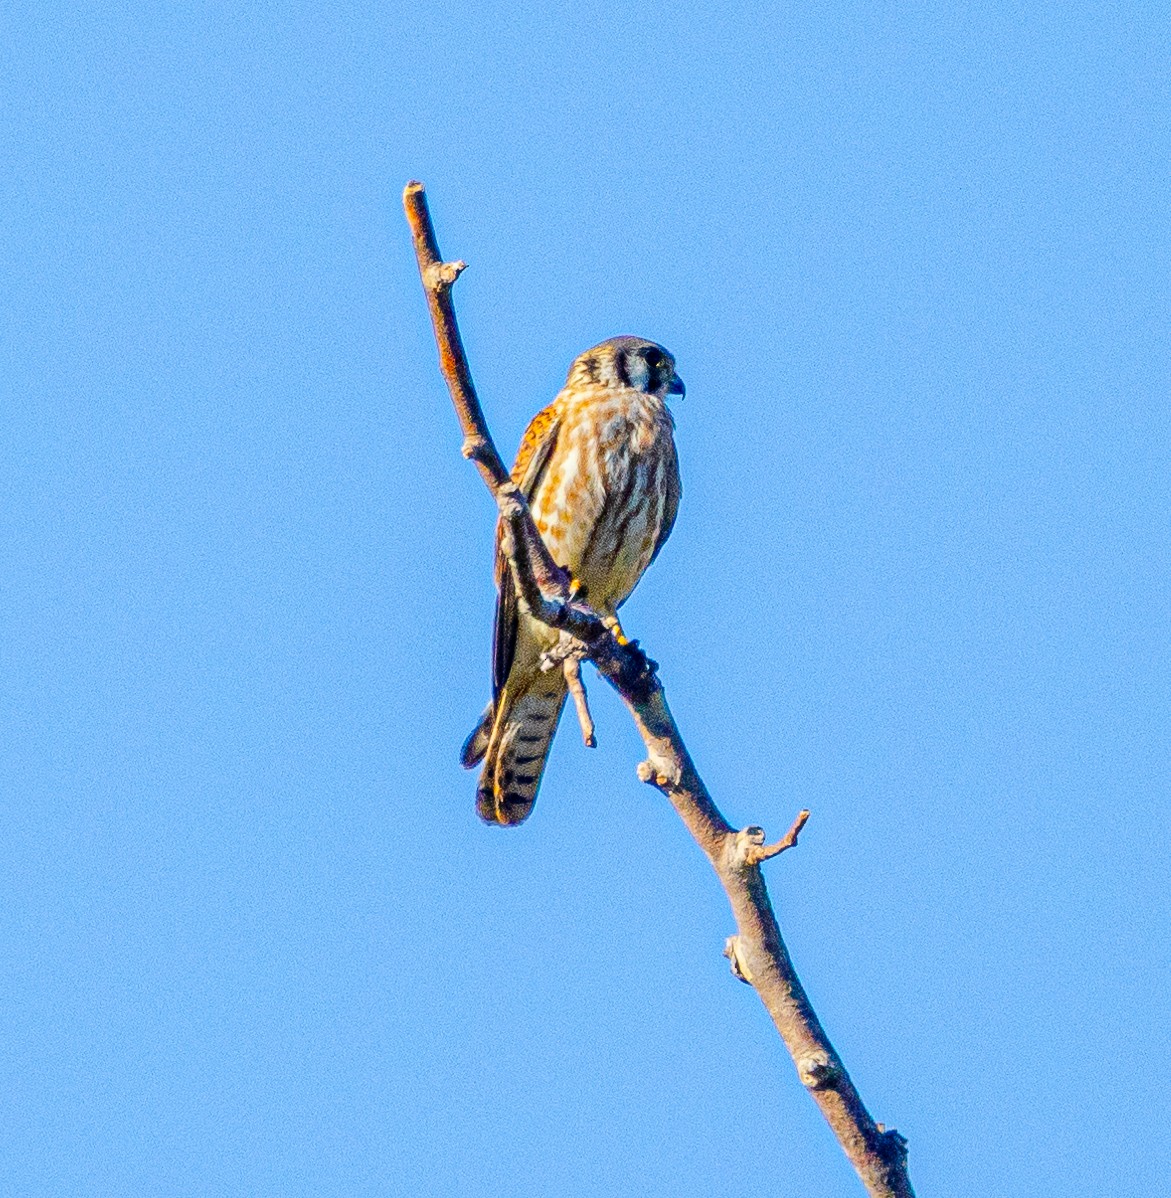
[616, 629]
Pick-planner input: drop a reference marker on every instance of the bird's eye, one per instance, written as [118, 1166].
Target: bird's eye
[653, 357]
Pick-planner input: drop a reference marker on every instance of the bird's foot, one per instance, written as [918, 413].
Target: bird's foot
[615, 628]
[577, 588]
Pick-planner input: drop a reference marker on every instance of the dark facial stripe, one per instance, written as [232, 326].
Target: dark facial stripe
[656, 365]
[620, 368]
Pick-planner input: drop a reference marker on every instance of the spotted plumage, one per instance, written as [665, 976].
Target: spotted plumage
[599, 470]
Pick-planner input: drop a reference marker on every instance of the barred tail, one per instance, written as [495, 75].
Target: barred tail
[515, 746]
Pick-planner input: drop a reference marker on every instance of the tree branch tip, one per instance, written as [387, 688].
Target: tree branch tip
[412, 188]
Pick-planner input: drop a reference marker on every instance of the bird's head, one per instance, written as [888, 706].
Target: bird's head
[628, 362]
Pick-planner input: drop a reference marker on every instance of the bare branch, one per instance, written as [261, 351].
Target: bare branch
[438, 277]
[757, 953]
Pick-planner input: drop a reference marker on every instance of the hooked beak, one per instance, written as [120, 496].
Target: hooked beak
[676, 387]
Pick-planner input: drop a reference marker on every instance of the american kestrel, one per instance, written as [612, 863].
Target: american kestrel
[599, 470]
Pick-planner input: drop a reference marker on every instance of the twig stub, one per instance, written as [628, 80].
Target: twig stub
[757, 851]
[738, 965]
[571, 667]
[441, 275]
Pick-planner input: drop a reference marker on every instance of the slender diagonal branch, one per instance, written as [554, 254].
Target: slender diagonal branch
[757, 952]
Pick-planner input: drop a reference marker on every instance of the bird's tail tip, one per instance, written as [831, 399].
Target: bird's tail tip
[476, 744]
[506, 810]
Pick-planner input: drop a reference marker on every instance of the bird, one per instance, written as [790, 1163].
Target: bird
[600, 471]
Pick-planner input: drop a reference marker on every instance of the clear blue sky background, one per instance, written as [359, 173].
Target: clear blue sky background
[913, 261]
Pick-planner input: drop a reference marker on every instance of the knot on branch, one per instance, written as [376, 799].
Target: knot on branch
[630, 670]
[747, 847]
[736, 961]
[439, 276]
[818, 1070]
[562, 615]
[892, 1146]
[663, 773]
[568, 649]
[476, 449]
[510, 502]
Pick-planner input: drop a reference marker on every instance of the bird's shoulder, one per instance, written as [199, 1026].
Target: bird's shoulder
[541, 429]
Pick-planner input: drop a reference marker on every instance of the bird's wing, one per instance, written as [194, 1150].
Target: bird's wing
[531, 459]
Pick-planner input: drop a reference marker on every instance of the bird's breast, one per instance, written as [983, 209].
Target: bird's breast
[600, 506]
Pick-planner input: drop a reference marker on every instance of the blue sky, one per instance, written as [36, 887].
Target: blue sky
[913, 263]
